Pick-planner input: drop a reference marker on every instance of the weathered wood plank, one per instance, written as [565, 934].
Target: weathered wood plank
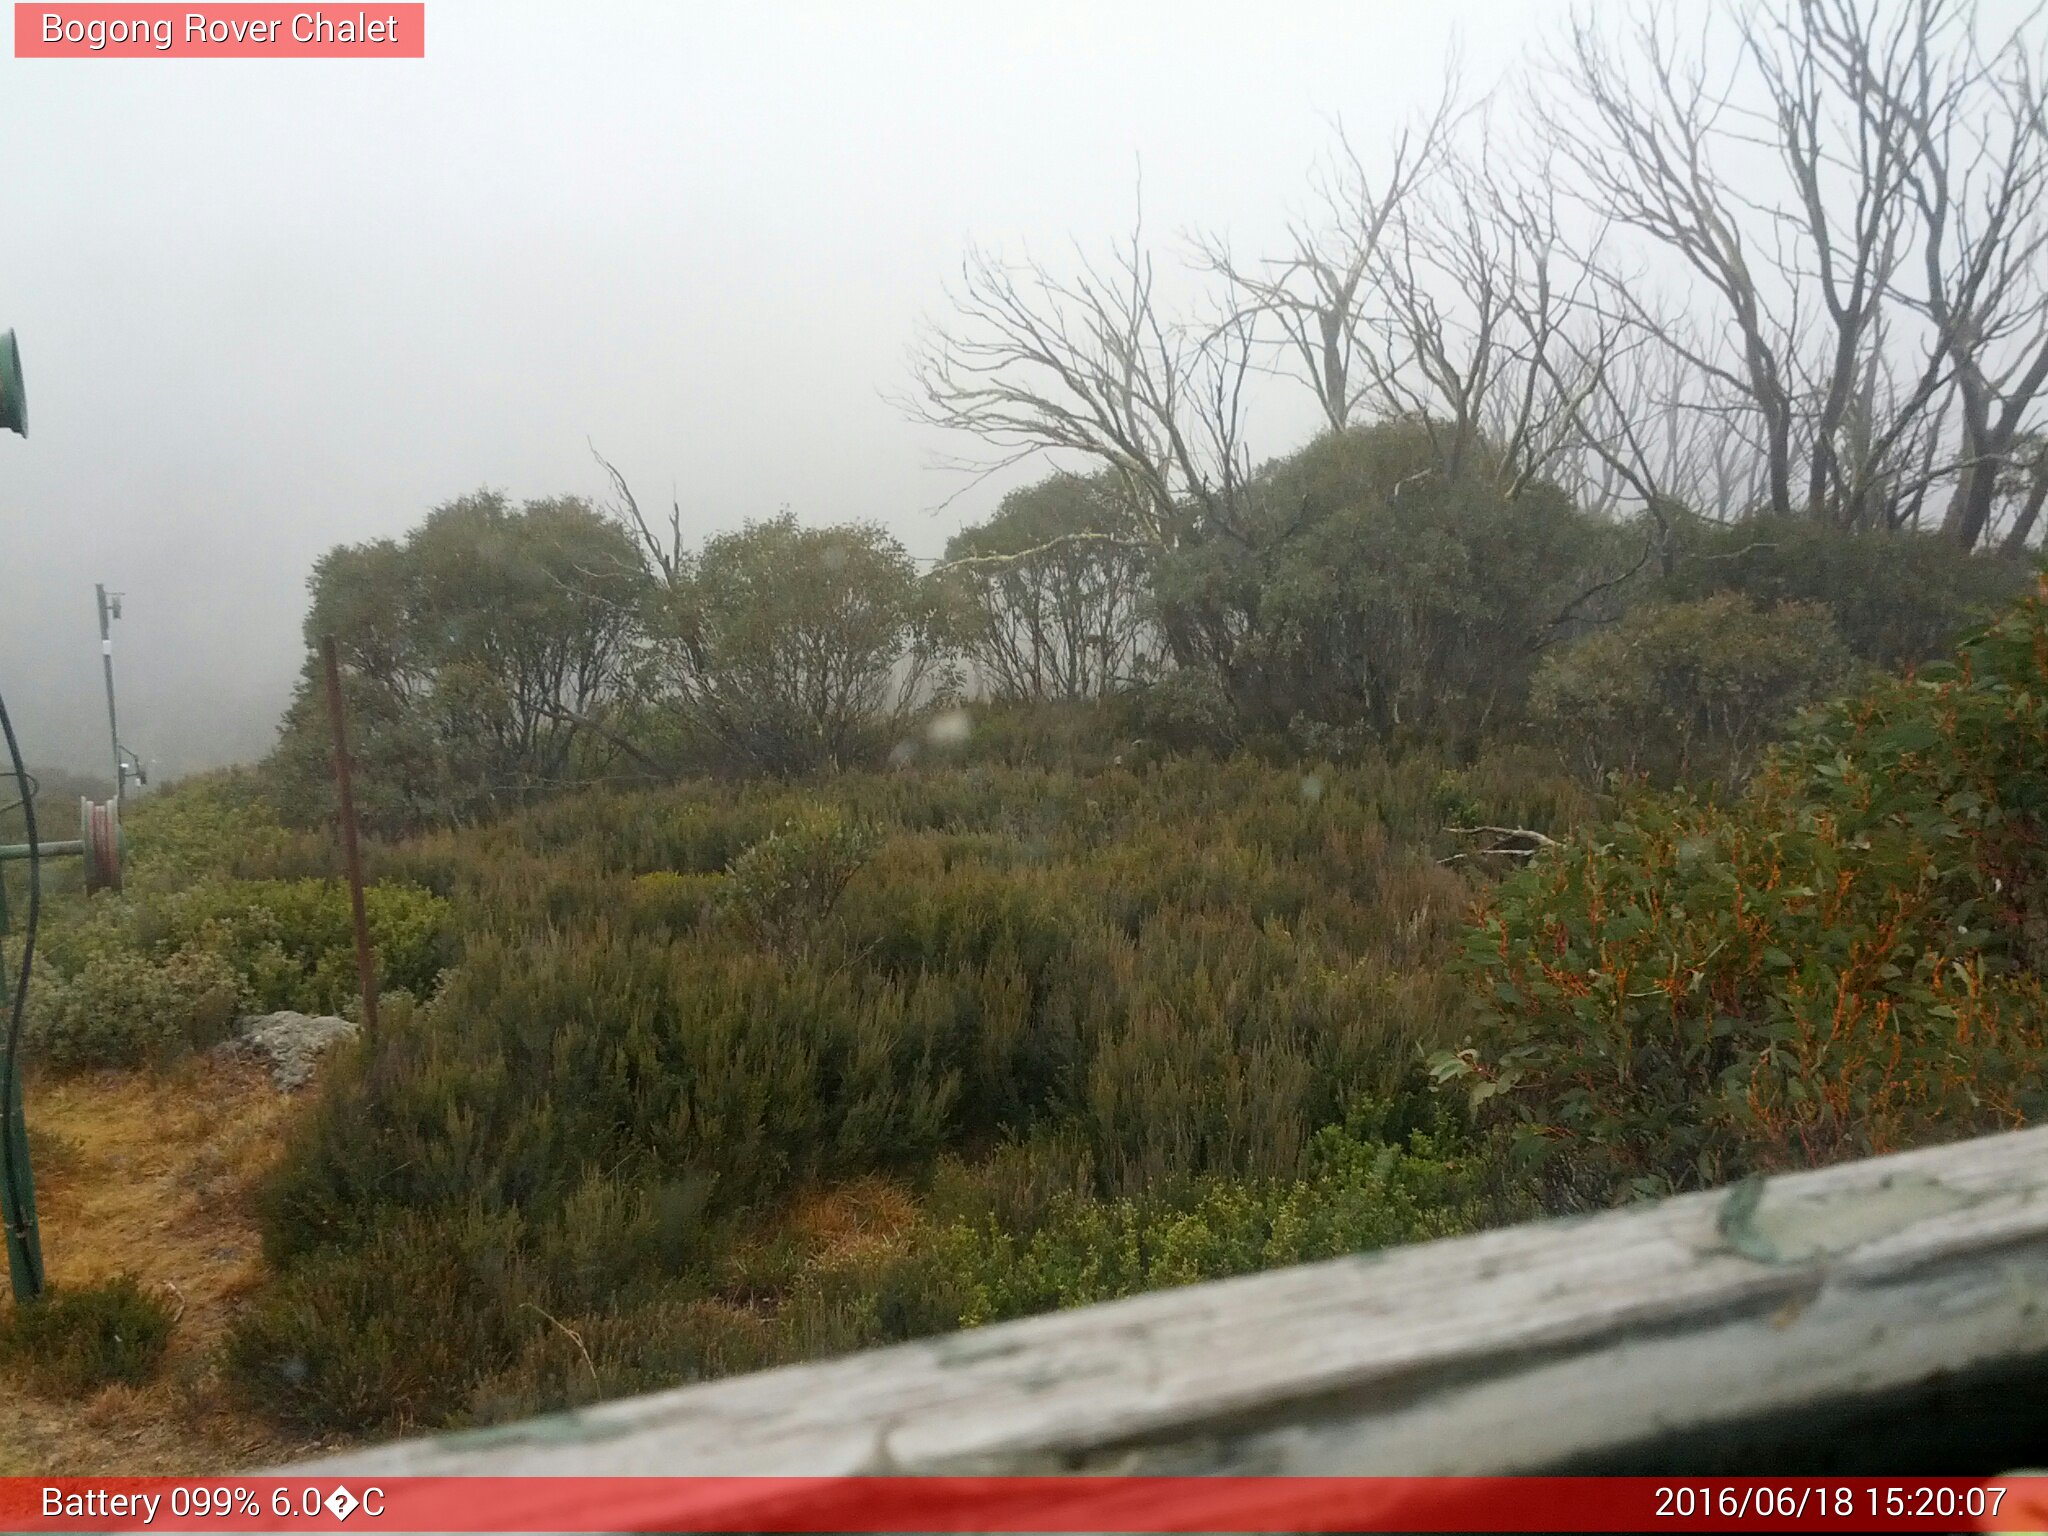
[1510, 1350]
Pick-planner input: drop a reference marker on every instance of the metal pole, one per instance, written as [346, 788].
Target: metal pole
[107, 665]
[366, 968]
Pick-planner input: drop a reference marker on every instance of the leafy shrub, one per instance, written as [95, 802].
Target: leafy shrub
[1075, 735]
[1897, 599]
[1845, 961]
[126, 1009]
[293, 941]
[1049, 592]
[288, 943]
[477, 654]
[1317, 739]
[1358, 1193]
[1452, 798]
[674, 902]
[1189, 710]
[75, 1340]
[215, 825]
[1374, 585]
[784, 887]
[636, 1346]
[1686, 690]
[1152, 978]
[886, 1269]
[166, 966]
[391, 1333]
[798, 649]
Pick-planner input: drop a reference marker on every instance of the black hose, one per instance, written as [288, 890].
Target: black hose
[16, 1179]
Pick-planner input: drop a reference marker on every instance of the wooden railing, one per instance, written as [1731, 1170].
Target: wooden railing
[1889, 1315]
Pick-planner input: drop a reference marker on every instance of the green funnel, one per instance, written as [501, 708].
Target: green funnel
[13, 398]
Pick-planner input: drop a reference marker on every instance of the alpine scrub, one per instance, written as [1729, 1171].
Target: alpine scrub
[1845, 960]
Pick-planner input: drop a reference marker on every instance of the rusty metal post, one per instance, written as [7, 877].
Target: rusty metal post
[366, 966]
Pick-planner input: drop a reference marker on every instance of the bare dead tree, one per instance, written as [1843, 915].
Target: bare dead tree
[1319, 293]
[664, 552]
[1653, 434]
[1487, 340]
[1845, 222]
[1967, 121]
[1859, 189]
[1801, 277]
[1030, 362]
[1639, 119]
[2026, 487]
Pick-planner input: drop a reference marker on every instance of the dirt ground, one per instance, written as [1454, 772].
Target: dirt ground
[154, 1175]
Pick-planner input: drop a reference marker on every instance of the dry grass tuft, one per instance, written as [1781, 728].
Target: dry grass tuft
[865, 1218]
[153, 1175]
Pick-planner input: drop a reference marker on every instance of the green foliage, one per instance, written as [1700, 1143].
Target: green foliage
[795, 649]
[124, 1008]
[641, 1345]
[1077, 735]
[1050, 590]
[279, 943]
[1453, 799]
[1367, 591]
[1173, 974]
[1012, 1234]
[1378, 589]
[783, 888]
[74, 1340]
[482, 656]
[166, 965]
[1372, 588]
[666, 901]
[1897, 599]
[1847, 960]
[1190, 710]
[292, 942]
[215, 825]
[1689, 690]
[391, 1332]
[1358, 1193]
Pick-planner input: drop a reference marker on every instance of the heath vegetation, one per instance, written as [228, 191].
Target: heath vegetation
[1609, 758]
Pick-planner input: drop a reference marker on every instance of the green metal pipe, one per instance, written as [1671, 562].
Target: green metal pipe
[24, 1241]
[48, 850]
[17, 1216]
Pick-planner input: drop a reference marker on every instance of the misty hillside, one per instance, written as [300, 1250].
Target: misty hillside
[1481, 663]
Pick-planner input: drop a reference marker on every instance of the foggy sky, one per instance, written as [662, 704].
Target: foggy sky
[270, 306]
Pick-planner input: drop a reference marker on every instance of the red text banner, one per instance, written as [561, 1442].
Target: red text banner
[236, 31]
[1053, 1504]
